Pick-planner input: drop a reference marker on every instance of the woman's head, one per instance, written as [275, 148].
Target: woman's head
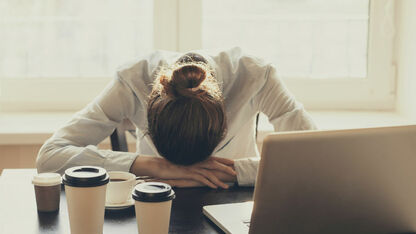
[186, 117]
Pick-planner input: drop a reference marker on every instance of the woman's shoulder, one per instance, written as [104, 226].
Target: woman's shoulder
[140, 72]
[236, 63]
[236, 54]
[143, 66]
[235, 67]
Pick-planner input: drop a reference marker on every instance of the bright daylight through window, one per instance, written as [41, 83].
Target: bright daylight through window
[72, 39]
[305, 39]
[319, 47]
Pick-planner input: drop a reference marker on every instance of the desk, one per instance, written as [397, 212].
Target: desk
[18, 212]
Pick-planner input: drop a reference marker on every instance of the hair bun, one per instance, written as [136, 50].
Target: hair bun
[185, 81]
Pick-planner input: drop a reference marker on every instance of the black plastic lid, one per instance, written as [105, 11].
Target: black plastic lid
[85, 176]
[153, 192]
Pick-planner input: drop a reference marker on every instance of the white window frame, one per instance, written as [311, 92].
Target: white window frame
[177, 26]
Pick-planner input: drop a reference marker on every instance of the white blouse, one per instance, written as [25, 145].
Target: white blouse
[249, 85]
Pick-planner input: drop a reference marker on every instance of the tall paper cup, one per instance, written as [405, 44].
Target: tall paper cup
[153, 202]
[85, 189]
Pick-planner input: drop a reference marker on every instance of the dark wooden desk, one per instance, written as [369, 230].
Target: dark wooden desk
[18, 212]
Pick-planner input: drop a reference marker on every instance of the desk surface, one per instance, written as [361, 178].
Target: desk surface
[18, 212]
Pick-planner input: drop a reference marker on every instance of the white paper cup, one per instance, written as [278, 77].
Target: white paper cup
[85, 189]
[119, 192]
[153, 202]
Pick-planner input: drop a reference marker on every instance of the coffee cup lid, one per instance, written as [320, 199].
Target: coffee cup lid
[153, 192]
[85, 176]
[47, 179]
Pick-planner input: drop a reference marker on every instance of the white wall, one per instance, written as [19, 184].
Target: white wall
[406, 57]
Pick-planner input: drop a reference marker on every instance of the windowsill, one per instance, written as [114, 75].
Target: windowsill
[35, 128]
[30, 128]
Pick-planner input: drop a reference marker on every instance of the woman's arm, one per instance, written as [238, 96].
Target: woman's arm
[280, 106]
[75, 143]
[283, 111]
[212, 172]
[186, 183]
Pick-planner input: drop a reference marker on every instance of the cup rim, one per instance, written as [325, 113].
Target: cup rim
[47, 179]
[127, 176]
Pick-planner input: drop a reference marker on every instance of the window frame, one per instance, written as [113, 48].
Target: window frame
[177, 26]
[375, 92]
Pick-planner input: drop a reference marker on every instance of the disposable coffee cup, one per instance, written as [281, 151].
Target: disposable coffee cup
[85, 188]
[120, 187]
[153, 202]
[47, 191]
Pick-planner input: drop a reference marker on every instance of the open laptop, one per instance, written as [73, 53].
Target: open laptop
[342, 181]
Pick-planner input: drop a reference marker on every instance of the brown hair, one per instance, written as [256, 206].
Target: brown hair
[185, 113]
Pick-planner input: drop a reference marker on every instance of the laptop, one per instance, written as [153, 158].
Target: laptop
[338, 181]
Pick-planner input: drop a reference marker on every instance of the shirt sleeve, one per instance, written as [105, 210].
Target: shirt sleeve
[283, 111]
[280, 106]
[75, 143]
[246, 169]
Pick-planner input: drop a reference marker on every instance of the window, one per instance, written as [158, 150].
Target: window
[350, 67]
[305, 39]
[50, 49]
[66, 39]
[331, 54]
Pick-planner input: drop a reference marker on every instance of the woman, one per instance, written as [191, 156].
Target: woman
[196, 110]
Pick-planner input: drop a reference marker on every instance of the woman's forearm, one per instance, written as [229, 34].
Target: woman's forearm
[144, 166]
[160, 168]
